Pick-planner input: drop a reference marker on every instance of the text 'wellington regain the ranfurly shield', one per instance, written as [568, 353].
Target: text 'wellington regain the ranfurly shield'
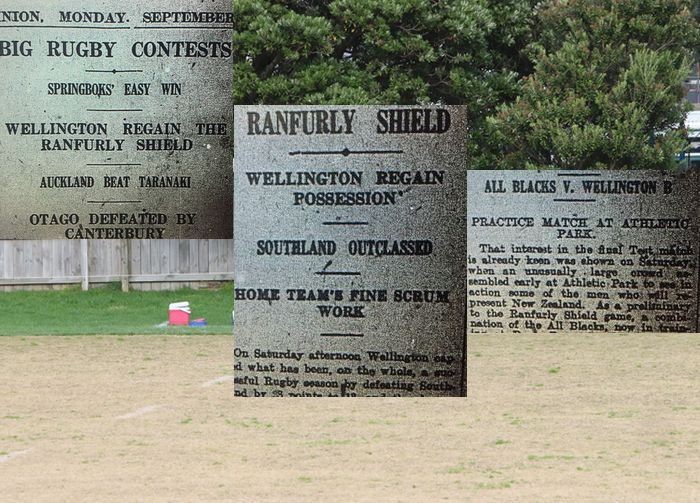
[116, 119]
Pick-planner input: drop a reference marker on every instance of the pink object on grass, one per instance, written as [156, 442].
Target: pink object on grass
[179, 313]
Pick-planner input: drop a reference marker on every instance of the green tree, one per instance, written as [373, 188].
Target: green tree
[606, 91]
[377, 51]
[571, 84]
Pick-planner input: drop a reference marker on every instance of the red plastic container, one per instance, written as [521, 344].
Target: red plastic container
[179, 313]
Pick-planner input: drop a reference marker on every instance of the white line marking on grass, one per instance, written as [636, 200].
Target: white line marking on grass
[12, 455]
[217, 381]
[140, 412]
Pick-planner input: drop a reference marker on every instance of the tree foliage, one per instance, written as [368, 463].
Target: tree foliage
[577, 83]
[606, 91]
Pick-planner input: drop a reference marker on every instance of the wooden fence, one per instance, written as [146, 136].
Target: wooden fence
[138, 264]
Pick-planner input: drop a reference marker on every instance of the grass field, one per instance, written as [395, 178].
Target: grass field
[110, 311]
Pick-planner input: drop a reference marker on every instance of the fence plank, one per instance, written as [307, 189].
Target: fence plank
[58, 262]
